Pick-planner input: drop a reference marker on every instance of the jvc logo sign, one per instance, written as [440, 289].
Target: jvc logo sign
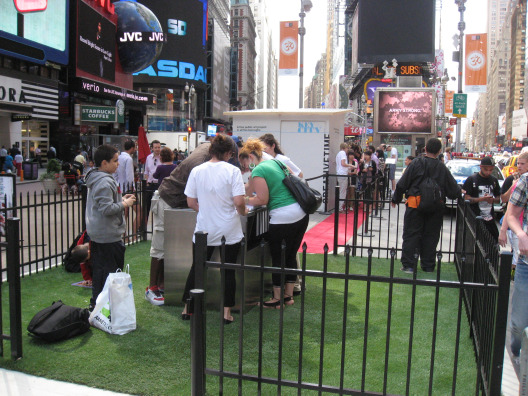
[307, 127]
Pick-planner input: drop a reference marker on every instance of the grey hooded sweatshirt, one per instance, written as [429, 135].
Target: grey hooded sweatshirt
[105, 219]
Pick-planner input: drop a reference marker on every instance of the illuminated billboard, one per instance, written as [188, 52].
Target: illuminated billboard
[96, 43]
[404, 110]
[37, 37]
[404, 30]
[183, 57]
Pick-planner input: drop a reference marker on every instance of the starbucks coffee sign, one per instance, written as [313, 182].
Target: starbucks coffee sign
[98, 114]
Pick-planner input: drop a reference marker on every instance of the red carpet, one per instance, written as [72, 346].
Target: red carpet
[323, 232]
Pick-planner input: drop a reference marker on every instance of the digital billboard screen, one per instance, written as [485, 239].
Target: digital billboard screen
[405, 111]
[211, 130]
[96, 43]
[35, 36]
[183, 57]
[396, 29]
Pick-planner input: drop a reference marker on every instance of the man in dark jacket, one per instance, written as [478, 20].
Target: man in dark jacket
[421, 231]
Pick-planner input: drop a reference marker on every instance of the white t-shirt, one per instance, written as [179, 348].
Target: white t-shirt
[215, 184]
[289, 163]
[394, 153]
[340, 169]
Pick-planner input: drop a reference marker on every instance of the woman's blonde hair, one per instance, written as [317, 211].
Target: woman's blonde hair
[252, 146]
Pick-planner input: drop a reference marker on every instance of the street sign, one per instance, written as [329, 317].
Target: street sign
[460, 105]
[452, 121]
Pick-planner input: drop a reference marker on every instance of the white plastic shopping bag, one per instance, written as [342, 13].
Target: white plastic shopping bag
[115, 311]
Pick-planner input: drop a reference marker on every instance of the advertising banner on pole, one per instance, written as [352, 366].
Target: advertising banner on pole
[476, 62]
[288, 47]
[449, 102]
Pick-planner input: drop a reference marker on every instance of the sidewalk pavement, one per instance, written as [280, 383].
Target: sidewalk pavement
[14, 383]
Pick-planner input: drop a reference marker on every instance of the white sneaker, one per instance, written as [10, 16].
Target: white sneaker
[154, 296]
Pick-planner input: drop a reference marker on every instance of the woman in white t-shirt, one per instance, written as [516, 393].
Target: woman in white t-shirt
[272, 147]
[216, 191]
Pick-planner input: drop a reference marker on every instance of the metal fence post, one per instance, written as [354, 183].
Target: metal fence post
[200, 256]
[326, 185]
[500, 325]
[144, 212]
[13, 278]
[84, 197]
[197, 343]
[336, 219]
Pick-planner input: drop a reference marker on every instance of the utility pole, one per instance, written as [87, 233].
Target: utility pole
[461, 28]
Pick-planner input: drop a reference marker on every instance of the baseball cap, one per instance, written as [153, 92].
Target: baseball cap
[487, 161]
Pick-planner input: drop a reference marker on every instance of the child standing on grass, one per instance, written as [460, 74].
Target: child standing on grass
[105, 220]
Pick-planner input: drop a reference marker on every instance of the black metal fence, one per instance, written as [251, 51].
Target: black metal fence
[370, 222]
[477, 284]
[50, 222]
[13, 276]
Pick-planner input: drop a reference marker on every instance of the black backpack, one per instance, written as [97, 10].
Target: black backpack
[432, 197]
[69, 264]
[59, 322]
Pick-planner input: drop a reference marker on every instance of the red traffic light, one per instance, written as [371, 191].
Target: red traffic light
[189, 129]
[472, 123]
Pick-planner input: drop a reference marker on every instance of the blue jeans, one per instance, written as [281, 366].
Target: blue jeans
[519, 314]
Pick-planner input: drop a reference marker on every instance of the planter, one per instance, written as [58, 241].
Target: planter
[50, 185]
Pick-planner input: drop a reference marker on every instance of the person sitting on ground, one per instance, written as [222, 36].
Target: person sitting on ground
[81, 254]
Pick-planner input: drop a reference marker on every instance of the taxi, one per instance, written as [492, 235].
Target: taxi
[511, 166]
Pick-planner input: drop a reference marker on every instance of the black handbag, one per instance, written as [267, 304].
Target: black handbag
[308, 198]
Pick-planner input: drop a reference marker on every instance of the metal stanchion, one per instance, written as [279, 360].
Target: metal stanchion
[197, 342]
[13, 278]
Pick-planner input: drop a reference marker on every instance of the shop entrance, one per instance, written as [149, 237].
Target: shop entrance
[35, 134]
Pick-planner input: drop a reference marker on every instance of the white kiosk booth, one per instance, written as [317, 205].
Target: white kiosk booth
[310, 137]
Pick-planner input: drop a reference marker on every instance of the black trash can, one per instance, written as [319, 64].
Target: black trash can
[30, 170]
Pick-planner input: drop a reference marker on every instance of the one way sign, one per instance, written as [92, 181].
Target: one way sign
[460, 105]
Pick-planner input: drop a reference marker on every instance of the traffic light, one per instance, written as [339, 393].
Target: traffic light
[189, 129]
[472, 123]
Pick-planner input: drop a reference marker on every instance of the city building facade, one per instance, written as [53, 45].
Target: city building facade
[243, 38]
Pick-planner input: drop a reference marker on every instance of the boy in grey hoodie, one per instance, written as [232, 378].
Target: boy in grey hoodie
[105, 221]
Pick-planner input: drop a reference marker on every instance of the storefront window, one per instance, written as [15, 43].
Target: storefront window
[171, 112]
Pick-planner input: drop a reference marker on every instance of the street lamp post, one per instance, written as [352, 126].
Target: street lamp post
[190, 93]
[306, 6]
[443, 81]
[461, 28]
[364, 119]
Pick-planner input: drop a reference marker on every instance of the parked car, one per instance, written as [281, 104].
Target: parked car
[461, 169]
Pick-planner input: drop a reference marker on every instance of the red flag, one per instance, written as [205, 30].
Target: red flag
[143, 145]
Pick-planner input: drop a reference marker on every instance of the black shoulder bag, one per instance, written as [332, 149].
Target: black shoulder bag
[308, 198]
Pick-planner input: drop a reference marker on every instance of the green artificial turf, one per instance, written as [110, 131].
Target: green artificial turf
[155, 358]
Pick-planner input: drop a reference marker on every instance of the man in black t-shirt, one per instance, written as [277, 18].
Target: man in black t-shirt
[482, 191]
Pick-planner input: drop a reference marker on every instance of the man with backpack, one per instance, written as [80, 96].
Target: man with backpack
[425, 183]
